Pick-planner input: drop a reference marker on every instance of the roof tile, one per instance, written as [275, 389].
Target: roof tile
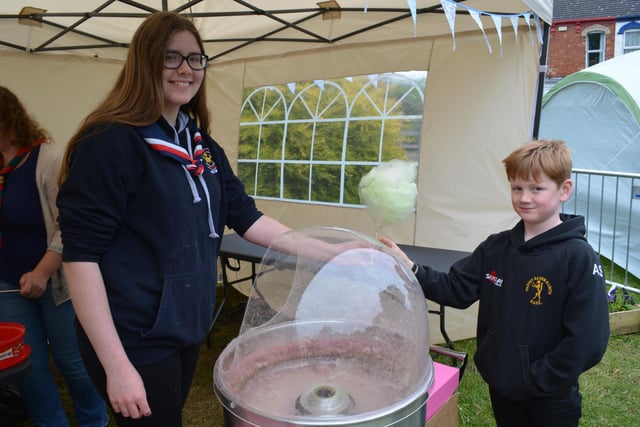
[584, 9]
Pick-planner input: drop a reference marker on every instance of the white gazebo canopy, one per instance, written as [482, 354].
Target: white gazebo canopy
[482, 59]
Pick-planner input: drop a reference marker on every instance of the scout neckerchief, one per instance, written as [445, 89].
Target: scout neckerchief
[194, 159]
[10, 166]
[159, 141]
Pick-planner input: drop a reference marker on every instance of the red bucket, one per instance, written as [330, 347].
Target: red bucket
[12, 347]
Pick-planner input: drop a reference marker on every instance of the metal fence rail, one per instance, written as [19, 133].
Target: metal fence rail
[610, 203]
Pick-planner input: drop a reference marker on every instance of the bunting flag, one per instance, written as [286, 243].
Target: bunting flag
[536, 21]
[475, 14]
[497, 21]
[529, 26]
[412, 8]
[450, 12]
[450, 7]
[514, 25]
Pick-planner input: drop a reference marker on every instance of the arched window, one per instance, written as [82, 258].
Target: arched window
[311, 142]
[631, 36]
[262, 131]
[595, 44]
[313, 164]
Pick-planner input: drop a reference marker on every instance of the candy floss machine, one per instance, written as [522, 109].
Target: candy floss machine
[335, 335]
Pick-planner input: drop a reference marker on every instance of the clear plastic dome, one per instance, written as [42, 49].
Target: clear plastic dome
[336, 331]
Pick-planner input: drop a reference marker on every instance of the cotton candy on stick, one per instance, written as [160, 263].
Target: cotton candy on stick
[389, 191]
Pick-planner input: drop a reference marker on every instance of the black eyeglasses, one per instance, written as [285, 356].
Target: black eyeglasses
[195, 61]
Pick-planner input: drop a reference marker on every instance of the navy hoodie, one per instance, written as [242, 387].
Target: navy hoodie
[132, 211]
[543, 313]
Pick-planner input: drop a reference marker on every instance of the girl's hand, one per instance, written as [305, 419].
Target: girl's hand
[126, 392]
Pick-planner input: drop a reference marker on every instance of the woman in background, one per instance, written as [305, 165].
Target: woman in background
[35, 292]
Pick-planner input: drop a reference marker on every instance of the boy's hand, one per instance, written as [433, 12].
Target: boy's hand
[399, 252]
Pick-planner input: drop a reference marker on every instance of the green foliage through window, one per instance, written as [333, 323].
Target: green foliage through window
[313, 141]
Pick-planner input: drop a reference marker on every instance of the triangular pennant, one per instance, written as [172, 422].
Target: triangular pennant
[514, 24]
[536, 21]
[476, 17]
[450, 12]
[497, 21]
[526, 17]
[450, 7]
[412, 8]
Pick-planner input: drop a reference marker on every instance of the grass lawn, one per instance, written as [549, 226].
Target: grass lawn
[610, 390]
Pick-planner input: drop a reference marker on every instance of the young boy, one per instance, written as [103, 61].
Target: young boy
[543, 314]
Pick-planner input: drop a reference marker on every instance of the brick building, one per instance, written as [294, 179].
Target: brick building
[585, 32]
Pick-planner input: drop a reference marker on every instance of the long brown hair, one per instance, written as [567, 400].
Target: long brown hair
[137, 98]
[16, 124]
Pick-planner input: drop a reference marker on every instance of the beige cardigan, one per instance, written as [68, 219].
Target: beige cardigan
[47, 170]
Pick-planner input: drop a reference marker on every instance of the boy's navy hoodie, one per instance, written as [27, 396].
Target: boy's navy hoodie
[543, 314]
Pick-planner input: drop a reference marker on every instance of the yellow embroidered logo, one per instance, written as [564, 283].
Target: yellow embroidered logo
[207, 158]
[538, 284]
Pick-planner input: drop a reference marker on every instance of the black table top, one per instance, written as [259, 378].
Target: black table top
[234, 246]
[438, 259]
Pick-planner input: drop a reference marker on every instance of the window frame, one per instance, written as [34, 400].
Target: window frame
[601, 50]
[625, 47]
[249, 164]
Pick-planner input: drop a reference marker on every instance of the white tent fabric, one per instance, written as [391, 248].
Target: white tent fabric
[236, 30]
[481, 56]
[597, 112]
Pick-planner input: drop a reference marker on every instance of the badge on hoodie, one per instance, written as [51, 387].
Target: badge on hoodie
[207, 158]
[538, 283]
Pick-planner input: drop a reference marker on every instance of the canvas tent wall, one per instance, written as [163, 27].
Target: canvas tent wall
[597, 112]
[479, 102]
